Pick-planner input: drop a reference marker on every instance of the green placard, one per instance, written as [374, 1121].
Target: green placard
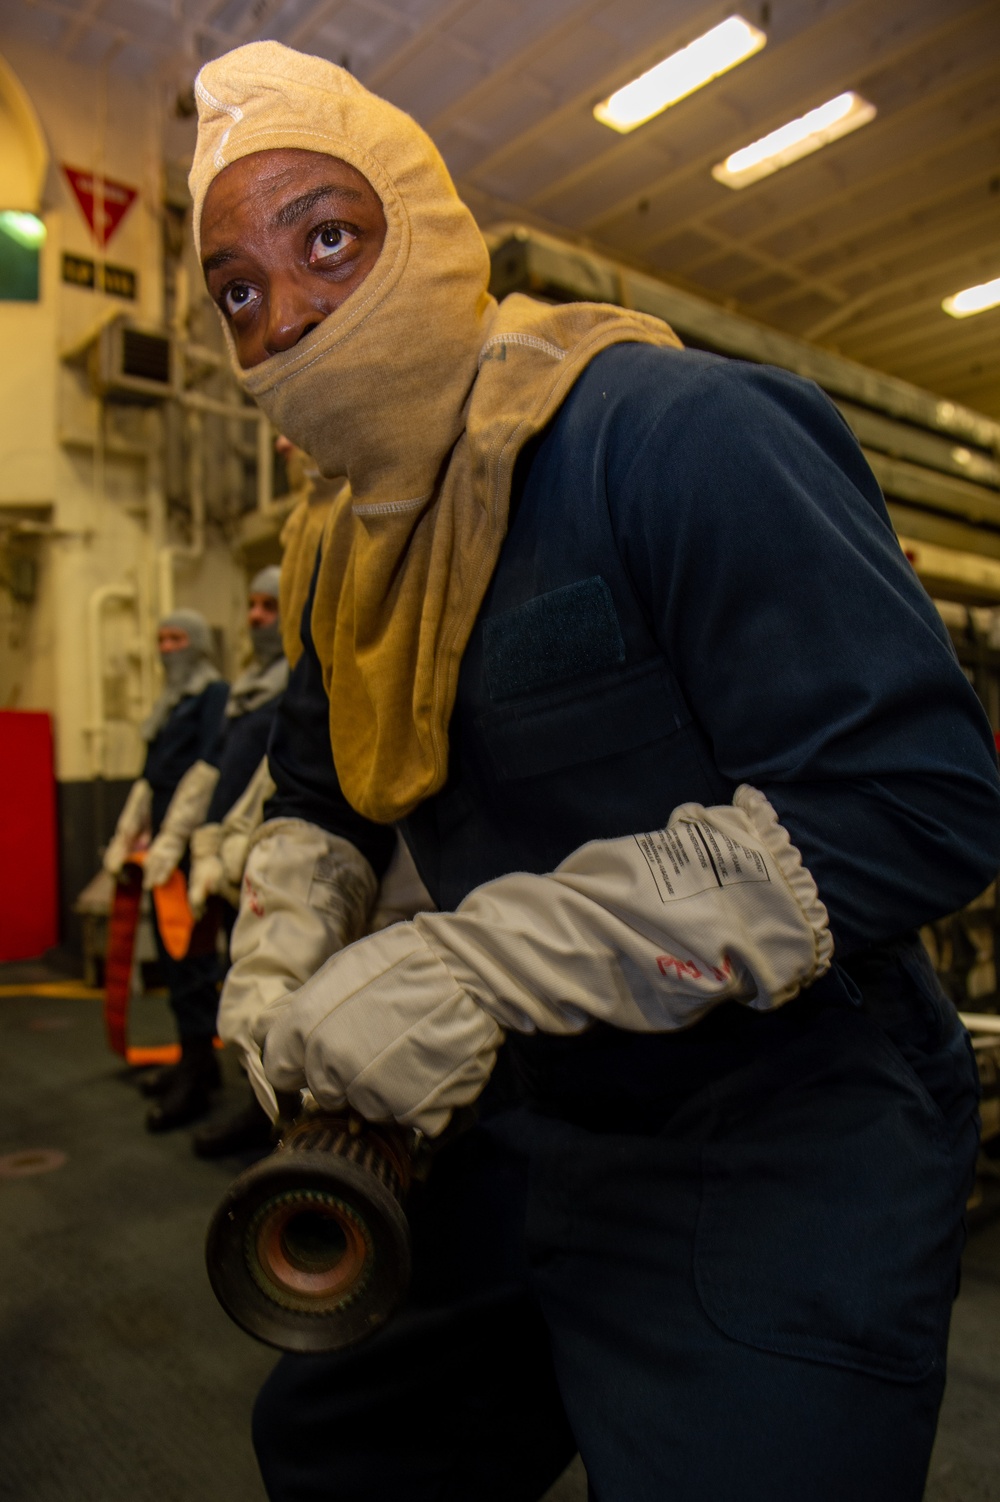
[21, 239]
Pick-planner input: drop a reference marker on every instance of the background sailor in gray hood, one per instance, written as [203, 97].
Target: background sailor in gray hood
[165, 804]
[267, 676]
[253, 703]
[219, 846]
[219, 779]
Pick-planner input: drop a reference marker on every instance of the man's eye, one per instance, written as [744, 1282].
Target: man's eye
[237, 297]
[329, 241]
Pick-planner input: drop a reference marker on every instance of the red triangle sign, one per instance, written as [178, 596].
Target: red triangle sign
[116, 200]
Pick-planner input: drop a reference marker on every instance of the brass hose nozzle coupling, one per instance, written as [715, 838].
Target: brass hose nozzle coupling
[310, 1248]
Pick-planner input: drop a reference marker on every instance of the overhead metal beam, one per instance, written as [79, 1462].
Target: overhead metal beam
[890, 334]
[918, 199]
[526, 260]
[950, 574]
[913, 297]
[985, 216]
[965, 207]
[381, 74]
[904, 481]
[942, 360]
[943, 531]
[919, 277]
[980, 392]
[682, 17]
[903, 441]
[726, 245]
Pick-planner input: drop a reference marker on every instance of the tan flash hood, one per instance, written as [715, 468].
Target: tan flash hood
[418, 389]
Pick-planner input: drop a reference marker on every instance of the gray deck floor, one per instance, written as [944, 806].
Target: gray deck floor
[121, 1379]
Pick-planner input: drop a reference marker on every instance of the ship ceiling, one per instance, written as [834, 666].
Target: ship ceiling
[853, 247]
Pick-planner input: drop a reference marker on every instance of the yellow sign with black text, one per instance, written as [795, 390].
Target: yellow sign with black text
[81, 271]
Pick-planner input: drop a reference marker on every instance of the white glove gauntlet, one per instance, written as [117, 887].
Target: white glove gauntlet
[240, 823]
[133, 822]
[219, 851]
[187, 811]
[646, 933]
[306, 894]
[207, 878]
[404, 1041]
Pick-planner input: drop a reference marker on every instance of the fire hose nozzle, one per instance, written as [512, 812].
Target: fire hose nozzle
[310, 1248]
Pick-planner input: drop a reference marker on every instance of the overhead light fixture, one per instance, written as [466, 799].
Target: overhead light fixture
[680, 74]
[828, 122]
[973, 299]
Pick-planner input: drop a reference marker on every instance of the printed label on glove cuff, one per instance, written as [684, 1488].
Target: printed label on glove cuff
[691, 856]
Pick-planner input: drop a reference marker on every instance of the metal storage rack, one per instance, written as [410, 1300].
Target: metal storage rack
[938, 462]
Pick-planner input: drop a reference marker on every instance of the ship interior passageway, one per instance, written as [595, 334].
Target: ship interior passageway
[499, 645]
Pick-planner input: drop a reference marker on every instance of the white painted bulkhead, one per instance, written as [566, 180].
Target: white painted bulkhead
[81, 480]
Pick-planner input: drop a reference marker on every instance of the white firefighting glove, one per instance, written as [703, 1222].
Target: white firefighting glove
[646, 933]
[207, 878]
[239, 824]
[186, 812]
[401, 893]
[133, 823]
[306, 893]
[219, 851]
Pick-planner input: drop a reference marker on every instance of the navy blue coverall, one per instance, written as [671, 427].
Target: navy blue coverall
[242, 749]
[720, 1261]
[192, 733]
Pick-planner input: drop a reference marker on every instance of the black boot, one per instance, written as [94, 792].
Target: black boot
[189, 1092]
[153, 1083]
[240, 1132]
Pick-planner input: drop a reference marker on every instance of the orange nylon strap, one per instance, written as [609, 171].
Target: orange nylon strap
[174, 918]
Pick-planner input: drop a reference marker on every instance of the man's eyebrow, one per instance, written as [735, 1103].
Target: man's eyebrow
[218, 258]
[290, 213]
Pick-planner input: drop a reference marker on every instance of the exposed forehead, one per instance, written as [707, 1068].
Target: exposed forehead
[270, 178]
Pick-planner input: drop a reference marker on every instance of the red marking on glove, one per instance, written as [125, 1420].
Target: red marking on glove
[667, 962]
[254, 903]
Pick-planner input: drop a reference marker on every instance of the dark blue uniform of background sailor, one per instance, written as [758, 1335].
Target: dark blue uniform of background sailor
[192, 733]
[723, 1259]
[250, 712]
[253, 700]
[242, 748]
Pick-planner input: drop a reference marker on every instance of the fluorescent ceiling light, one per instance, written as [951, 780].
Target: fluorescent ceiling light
[680, 74]
[26, 229]
[828, 122]
[973, 299]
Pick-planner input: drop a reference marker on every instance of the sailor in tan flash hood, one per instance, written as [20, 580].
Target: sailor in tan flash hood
[594, 622]
[418, 389]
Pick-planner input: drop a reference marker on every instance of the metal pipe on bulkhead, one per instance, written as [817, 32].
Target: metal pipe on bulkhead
[192, 551]
[97, 729]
